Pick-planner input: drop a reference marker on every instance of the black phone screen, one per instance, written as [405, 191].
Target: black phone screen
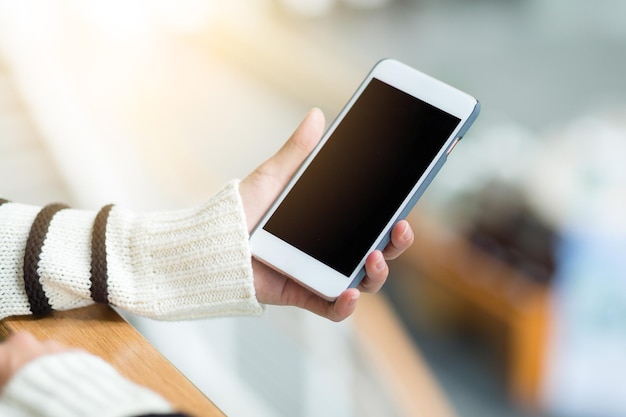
[365, 170]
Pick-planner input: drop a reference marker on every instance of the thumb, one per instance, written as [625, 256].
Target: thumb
[259, 189]
[303, 140]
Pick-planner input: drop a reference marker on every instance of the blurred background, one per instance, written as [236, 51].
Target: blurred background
[511, 302]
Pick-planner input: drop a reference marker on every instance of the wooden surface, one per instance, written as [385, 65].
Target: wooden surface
[100, 330]
[482, 289]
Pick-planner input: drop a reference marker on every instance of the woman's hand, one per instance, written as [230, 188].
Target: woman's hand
[258, 192]
[19, 349]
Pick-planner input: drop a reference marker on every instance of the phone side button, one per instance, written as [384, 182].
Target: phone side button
[451, 148]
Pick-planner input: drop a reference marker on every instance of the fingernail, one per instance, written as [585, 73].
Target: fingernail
[380, 264]
[354, 298]
[406, 235]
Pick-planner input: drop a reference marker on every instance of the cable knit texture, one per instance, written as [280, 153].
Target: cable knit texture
[75, 384]
[173, 265]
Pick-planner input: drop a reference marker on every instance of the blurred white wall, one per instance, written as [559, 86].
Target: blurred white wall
[144, 104]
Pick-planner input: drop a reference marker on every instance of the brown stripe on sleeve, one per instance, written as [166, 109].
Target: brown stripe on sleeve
[99, 270]
[39, 304]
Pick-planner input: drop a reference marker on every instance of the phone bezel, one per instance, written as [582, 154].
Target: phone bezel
[314, 274]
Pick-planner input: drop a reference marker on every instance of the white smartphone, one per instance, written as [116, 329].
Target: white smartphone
[373, 163]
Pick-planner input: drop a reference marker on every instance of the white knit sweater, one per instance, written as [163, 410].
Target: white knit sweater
[76, 384]
[173, 265]
[170, 265]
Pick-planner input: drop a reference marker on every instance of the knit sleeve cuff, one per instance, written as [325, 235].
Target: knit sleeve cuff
[183, 264]
[76, 384]
[171, 265]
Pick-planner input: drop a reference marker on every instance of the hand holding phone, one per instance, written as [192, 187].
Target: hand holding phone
[261, 188]
[373, 163]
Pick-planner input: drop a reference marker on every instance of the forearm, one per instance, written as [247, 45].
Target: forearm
[169, 265]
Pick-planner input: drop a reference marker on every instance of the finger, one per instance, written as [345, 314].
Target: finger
[264, 184]
[291, 155]
[29, 346]
[343, 306]
[52, 346]
[335, 311]
[401, 238]
[19, 349]
[22, 340]
[376, 272]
